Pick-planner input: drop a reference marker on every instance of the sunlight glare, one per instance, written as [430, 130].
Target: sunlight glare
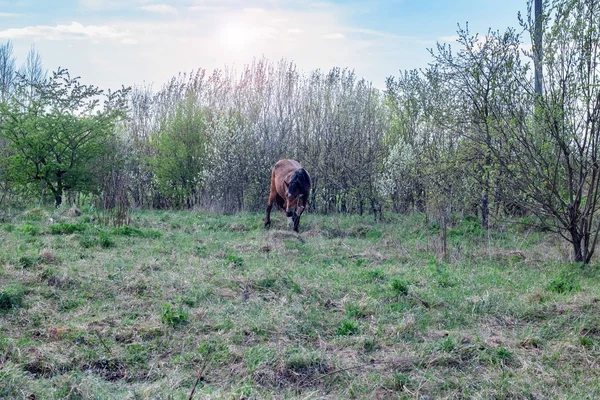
[236, 36]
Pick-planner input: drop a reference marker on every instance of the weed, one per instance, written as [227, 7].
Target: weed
[355, 311]
[398, 382]
[28, 261]
[373, 234]
[266, 283]
[66, 228]
[30, 229]
[213, 349]
[374, 275]
[137, 353]
[301, 361]
[444, 278]
[35, 214]
[347, 328]
[503, 354]
[448, 345]
[370, 344]
[565, 282]
[173, 316]
[469, 226]
[88, 241]
[127, 230]
[237, 261]
[257, 356]
[11, 297]
[400, 287]
[105, 240]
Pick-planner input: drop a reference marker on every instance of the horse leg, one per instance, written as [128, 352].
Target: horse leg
[291, 215]
[300, 210]
[269, 208]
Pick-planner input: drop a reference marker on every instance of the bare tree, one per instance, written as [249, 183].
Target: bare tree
[7, 69]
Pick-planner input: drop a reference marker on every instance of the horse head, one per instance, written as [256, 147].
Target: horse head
[292, 190]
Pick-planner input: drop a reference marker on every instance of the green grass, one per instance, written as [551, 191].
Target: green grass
[347, 309]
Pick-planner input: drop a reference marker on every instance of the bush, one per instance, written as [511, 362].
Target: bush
[28, 261]
[400, 287]
[127, 230]
[66, 228]
[106, 241]
[88, 241]
[566, 282]
[11, 297]
[30, 229]
[374, 234]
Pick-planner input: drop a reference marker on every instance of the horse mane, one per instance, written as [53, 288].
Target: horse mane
[300, 181]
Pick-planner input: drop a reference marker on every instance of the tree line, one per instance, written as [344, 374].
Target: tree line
[467, 135]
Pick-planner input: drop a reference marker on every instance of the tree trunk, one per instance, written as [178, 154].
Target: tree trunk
[485, 210]
[537, 48]
[57, 197]
[444, 232]
[576, 240]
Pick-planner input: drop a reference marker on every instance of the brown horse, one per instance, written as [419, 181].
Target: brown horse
[290, 185]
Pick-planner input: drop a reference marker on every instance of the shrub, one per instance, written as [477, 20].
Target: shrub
[66, 228]
[374, 234]
[28, 261]
[127, 230]
[400, 287]
[88, 241]
[106, 241]
[30, 229]
[11, 297]
[566, 282]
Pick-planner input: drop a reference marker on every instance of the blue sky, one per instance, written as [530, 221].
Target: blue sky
[114, 42]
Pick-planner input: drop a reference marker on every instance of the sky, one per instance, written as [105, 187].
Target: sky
[111, 43]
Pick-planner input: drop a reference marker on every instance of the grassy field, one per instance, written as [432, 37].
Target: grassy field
[347, 309]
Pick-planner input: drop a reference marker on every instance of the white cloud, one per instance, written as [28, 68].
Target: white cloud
[111, 4]
[207, 8]
[216, 35]
[8, 15]
[449, 39]
[334, 36]
[59, 32]
[160, 8]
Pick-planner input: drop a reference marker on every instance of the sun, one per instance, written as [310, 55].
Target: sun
[236, 36]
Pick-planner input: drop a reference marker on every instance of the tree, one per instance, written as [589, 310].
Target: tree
[7, 70]
[478, 72]
[560, 145]
[180, 150]
[7, 74]
[56, 129]
[551, 142]
[32, 70]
